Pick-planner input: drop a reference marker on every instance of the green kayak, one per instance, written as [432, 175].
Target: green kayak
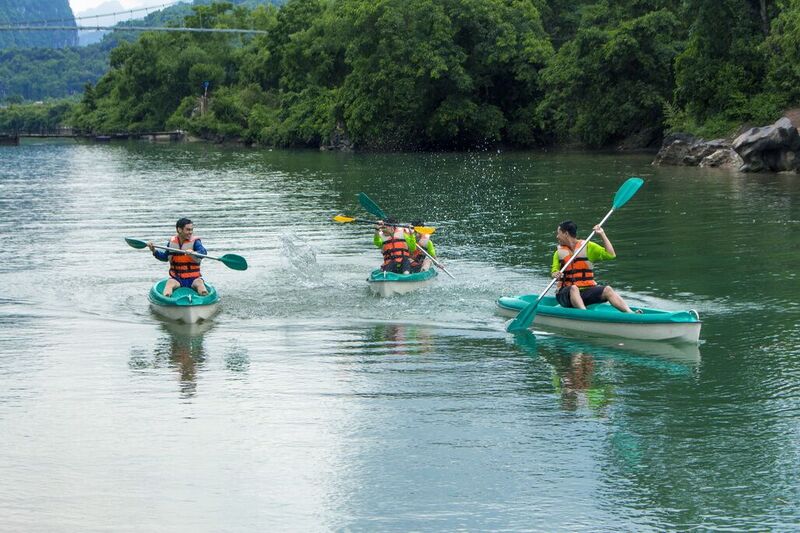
[387, 283]
[185, 305]
[603, 319]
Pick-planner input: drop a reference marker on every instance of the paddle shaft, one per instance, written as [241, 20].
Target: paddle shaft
[435, 262]
[375, 222]
[190, 252]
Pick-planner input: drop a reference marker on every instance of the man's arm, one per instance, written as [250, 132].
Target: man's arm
[199, 248]
[411, 242]
[595, 252]
[161, 255]
[606, 243]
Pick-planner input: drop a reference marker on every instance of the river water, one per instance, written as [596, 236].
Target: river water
[310, 405]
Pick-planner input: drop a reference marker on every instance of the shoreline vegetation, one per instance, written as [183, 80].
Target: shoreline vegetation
[446, 75]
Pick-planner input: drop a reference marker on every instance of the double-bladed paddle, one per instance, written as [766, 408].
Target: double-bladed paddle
[420, 229]
[236, 262]
[525, 317]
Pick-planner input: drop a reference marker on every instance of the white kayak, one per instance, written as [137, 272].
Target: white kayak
[603, 319]
[388, 283]
[185, 305]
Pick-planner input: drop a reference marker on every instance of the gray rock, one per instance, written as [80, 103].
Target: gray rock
[774, 148]
[687, 150]
[722, 158]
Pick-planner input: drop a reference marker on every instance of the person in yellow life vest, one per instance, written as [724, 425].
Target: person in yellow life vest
[577, 286]
[419, 261]
[397, 244]
[184, 269]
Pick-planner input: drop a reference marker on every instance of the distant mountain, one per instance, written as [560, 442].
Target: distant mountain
[37, 74]
[92, 17]
[57, 11]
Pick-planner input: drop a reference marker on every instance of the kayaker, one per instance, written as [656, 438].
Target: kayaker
[577, 287]
[419, 261]
[397, 245]
[184, 269]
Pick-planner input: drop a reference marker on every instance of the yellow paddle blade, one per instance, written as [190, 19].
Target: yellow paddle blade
[342, 218]
[425, 229]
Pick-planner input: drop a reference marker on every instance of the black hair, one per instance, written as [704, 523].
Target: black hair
[569, 227]
[418, 223]
[182, 222]
[390, 221]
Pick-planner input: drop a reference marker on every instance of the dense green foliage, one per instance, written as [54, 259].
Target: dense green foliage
[16, 11]
[40, 73]
[34, 118]
[444, 74]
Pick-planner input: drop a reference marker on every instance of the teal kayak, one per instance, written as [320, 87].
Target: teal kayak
[387, 283]
[603, 319]
[185, 305]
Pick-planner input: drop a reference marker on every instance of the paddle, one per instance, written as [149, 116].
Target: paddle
[525, 317]
[421, 229]
[236, 262]
[371, 207]
[435, 262]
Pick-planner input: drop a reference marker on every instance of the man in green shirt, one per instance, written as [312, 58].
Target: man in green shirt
[577, 287]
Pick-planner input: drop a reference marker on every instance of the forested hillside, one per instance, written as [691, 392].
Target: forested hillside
[450, 74]
[14, 11]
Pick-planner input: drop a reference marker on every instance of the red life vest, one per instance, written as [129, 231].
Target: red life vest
[183, 266]
[395, 249]
[580, 272]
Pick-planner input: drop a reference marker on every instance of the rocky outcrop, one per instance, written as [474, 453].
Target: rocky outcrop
[773, 148]
[339, 140]
[687, 150]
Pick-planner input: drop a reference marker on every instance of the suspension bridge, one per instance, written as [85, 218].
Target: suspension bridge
[64, 24]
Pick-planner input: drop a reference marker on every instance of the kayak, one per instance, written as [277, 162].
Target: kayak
[387, 283]
[603, 319]
[185, 305]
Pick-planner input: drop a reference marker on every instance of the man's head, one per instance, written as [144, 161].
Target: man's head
[184, 227]
[566, 230]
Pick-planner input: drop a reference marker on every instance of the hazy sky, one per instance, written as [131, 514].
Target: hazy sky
[82, 5]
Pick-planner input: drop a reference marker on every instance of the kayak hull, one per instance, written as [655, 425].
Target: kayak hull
[185, 305]
[386, 284]
[604, 320]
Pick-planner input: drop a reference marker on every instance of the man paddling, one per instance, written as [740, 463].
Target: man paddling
[577, 287]
[419, 261]
[397, 244]
[184, 268]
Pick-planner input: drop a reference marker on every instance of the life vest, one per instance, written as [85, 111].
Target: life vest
[183, 266]
[580, 272]
[395, 249]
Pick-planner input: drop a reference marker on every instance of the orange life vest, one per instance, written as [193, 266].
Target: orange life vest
[580, 272]
[183, 266]
[395, 249]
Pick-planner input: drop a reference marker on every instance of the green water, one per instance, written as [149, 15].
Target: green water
[310, 405]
